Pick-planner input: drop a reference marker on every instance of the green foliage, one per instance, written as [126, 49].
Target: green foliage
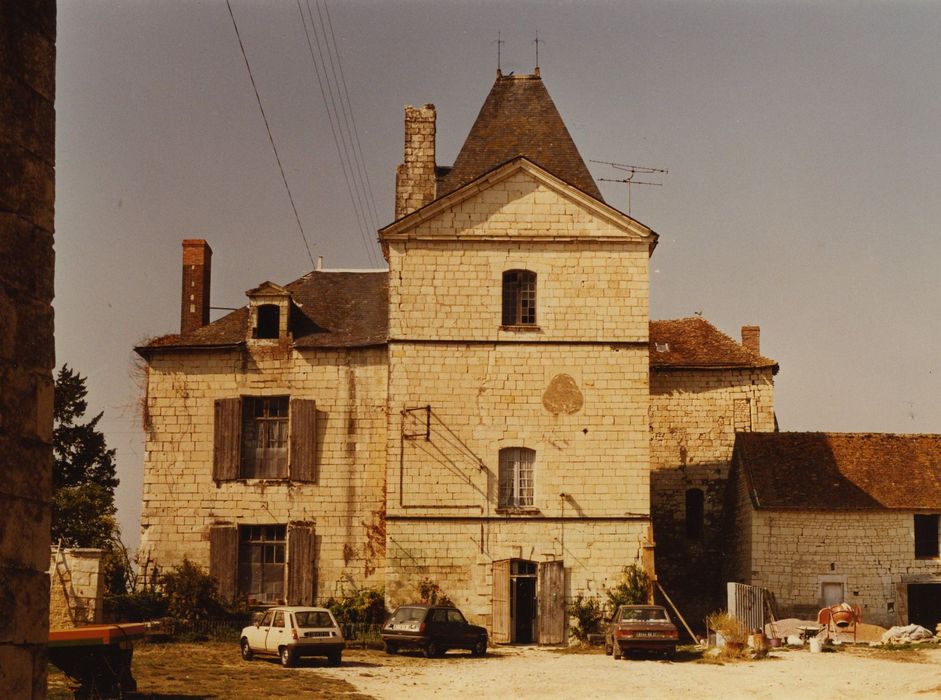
[190, 593]
[632, 589]
[367, 606]
[432, 594]
[135, 607]
[587, 613]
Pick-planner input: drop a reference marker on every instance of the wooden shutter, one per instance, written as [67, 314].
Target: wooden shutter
[223, 559]
[901, 603]
[501, 602]
[301, 560]
[226, 439]
[551, 600]
[303, 440]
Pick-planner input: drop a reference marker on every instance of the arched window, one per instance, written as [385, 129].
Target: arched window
[516, 477]
[269, 321]
[694, 514]
[519, 298]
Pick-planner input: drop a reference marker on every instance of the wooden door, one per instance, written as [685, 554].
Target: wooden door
[551, 600]
[500, 632]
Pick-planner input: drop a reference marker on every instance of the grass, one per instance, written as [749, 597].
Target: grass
[215, 670]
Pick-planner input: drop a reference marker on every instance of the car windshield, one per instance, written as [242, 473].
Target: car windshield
[313, 618]
[644, 615]
[409, 615]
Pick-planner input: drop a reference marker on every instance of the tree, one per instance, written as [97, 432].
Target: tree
[84, 476]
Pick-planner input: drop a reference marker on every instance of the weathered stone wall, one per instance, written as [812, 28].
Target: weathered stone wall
[345, 502]
[27, 349]
[694, 415]
[76, 594]
[871, 553]
[415, 178]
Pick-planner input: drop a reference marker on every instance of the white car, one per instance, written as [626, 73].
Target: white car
[293, 632]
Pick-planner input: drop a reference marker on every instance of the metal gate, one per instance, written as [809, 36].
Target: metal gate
[748, 605]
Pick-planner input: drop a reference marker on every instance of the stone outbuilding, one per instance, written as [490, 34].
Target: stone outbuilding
[823, 518]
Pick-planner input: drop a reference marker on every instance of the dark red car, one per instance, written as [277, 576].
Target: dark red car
[434, 629]
[641, 628]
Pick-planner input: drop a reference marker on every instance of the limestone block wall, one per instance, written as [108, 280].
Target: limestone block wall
[345, 502]
[76, 593]
[415, 177]
[27, 348]
[694, 415]
[871, 553]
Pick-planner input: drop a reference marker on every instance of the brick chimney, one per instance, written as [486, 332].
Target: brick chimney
[415, 177]
[197, 264]
[751, 338]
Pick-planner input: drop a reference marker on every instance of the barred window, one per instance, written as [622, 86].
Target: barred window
[516, 477]
[519, 298]
[264, 453]
[261, 563]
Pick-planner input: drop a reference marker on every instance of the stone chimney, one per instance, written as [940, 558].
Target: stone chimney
[197, 265]
[415, 177]
[751, 338]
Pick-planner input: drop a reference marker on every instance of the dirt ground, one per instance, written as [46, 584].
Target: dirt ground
[215, 670]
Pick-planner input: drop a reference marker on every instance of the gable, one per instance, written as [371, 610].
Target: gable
[519, 200]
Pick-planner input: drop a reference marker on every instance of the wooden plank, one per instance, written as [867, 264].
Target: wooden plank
[500, 632]
[300, 564]
[223, 559]
[551, 599]
[226, 439]
[303, 440]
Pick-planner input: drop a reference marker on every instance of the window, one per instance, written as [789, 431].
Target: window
[269, 322]
[261, 563]
[926, 536]
[516, 477]
[519, 298]
[264, 437]
[694, 514]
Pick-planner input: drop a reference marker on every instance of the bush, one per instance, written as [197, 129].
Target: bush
[587, 613]
[432, 594]
[632, 589]
[366, 606]
[191, 593]
[135, 607]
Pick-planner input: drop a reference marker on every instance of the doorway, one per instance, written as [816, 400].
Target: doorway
[528, 602]
[924, 604]
[523, 601]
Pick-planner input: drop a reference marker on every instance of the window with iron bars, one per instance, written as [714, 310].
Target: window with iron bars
[261, 563]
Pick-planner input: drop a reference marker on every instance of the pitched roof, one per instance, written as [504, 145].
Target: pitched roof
[694, 343]
[841, 471]
[519, 118]
[330, 309]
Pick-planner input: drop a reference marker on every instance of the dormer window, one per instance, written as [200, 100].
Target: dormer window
[269, 322]
[519, 298]
[269, 312]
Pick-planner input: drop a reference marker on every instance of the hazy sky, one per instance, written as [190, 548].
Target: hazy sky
[801, 139]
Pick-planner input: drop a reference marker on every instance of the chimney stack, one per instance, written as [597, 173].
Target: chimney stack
[415, 180]
[197, 265]
[751, 338]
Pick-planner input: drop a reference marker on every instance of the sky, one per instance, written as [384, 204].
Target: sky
[801, 139]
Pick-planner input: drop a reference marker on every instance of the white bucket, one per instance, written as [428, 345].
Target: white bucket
[815, 645]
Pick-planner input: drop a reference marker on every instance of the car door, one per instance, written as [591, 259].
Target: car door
[461, 632]
[256, 634]
[277, 634]
[438, 626]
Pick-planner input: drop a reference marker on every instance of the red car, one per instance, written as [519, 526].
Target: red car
[641, 628]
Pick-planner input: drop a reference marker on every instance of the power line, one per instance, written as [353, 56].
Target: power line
[274, 148]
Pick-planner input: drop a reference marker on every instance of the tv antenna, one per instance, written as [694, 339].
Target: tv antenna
[499, 44]
[631, 171]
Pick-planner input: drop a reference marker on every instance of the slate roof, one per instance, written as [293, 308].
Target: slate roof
[841, 471]
[519, 118]
[695, 343]
[331, 310]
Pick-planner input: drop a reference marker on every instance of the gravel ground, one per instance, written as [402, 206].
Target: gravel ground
[531, 672]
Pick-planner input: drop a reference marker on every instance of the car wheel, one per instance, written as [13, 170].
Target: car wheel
[480, 648]
[616, 650]
[247, 652]
[287, 657]
[335, 658]
[391, 648]
[432, 650]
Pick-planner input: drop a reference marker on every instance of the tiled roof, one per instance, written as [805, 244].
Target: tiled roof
[696, 343]
[841, 471]
[518, 118]
[331, 309]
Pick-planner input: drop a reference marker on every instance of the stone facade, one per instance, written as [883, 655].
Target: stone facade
[415, 177]
[76, 595]
[27, 350]
[694, 415]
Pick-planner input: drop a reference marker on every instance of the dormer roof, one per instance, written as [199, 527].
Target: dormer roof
[268, 289]
[518, 118]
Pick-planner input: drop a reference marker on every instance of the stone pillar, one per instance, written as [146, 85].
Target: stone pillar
[76, 595]
[27, 350]
[197, 268]
[415, 177]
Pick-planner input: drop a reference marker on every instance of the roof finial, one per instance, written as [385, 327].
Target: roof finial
[536, 42]
[500, 43]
